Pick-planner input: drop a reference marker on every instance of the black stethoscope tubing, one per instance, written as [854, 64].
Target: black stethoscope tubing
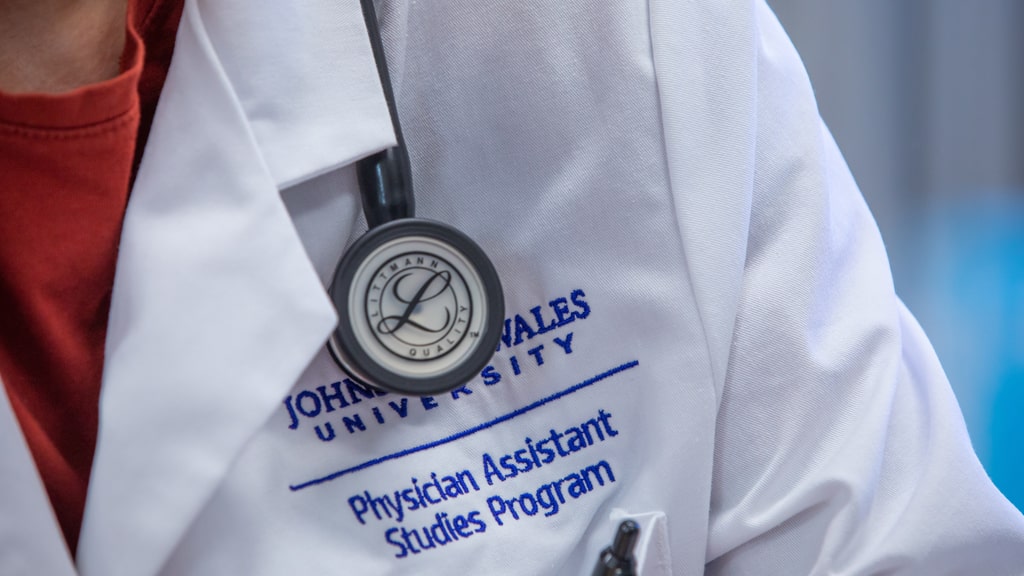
[385, 180]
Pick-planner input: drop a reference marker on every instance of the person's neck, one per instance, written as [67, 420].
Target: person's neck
[54, 46]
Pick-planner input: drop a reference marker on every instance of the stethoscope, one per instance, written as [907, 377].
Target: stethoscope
[420, 304]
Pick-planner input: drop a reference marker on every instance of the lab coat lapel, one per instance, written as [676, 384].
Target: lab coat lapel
[216, 308]
[30, 538]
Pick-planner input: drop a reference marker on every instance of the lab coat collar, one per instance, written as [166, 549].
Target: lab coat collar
[216, 309]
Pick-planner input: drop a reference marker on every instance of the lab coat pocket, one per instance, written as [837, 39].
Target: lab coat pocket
[653, 553]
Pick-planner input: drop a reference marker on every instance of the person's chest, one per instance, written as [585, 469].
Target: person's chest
[598, 403]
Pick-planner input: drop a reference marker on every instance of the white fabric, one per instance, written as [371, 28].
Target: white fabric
[690, 275]
[30, 538]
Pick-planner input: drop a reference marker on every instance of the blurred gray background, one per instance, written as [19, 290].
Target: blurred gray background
[926, 100]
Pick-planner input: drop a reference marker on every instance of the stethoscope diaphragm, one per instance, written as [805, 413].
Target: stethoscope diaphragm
[420, 305]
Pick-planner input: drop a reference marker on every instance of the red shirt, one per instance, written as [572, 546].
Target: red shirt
[66, 162]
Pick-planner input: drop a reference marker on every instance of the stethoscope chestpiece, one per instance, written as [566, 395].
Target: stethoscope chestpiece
[420, 305]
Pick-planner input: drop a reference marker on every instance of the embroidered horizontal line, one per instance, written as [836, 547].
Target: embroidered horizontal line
[468, 432]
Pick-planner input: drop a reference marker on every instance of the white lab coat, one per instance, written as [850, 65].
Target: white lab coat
[691, 276]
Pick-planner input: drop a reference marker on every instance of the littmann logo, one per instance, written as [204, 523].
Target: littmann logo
[418, 306]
